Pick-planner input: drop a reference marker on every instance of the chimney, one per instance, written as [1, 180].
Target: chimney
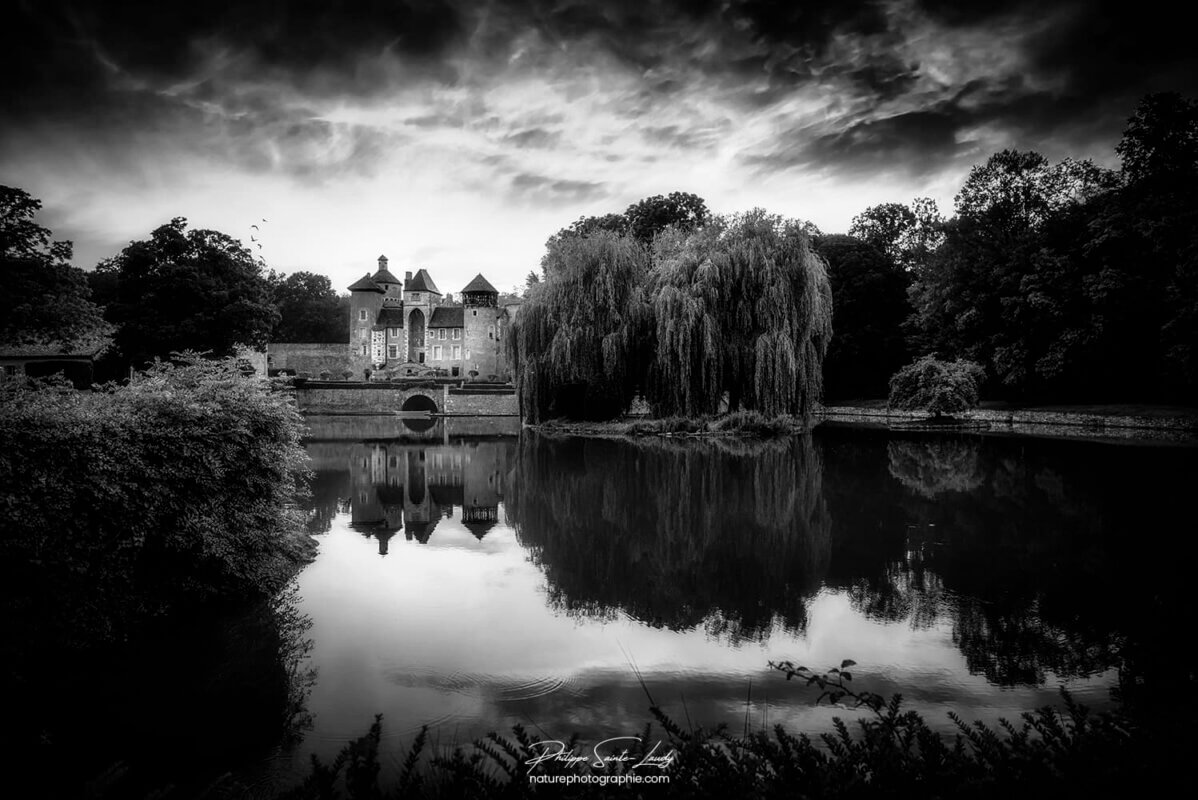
[382, 262]
[407, 276]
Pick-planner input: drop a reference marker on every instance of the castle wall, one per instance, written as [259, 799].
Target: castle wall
[311, 358]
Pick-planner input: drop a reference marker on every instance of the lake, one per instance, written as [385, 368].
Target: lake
[471, 583]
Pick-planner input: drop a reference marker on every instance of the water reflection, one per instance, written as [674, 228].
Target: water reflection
[968, 572]
[727, 534]
[408, 487]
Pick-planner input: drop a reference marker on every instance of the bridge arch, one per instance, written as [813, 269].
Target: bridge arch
[419, 402]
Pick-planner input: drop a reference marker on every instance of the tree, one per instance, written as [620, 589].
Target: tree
[1160, 143]
[741, 306]
[870, 305]
[982, 289]
[646, 218]
[181, 290]
[649, 217]
[907, 234]
[737, 308]
[309, 309]
[570, 342]
[46, 304]
[938, 387]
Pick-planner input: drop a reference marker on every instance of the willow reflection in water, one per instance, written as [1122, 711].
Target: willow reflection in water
[727, 534]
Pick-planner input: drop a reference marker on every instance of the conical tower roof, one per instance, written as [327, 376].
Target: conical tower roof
[366, 284]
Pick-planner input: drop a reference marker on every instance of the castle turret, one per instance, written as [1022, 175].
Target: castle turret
[365, 300]
[390, 284]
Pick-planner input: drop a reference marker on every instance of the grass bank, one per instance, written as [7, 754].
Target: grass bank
[739, 424]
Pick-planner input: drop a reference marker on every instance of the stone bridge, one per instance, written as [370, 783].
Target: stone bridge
[345, 397]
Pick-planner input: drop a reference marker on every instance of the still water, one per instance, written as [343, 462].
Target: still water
[471, 583]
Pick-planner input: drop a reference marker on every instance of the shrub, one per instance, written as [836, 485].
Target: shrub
[938, 387]
[347, 374]
[135, 501]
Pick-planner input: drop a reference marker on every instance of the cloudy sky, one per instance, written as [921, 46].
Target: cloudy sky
[457, 136]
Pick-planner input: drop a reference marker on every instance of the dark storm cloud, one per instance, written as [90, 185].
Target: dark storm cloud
[907, 84]
[920, 141]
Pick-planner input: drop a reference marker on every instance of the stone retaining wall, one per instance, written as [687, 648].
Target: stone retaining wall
[1179, 428]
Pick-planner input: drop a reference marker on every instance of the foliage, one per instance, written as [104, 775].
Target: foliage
[1006, 289]
[906, 234]
[132, 502]
[891, 753]
[46, 305]
[574, 339]
[938, 387]
[186, 290]
[646, 219]
[870, 305]
[650, 217]
[741, 307]
[309, 309]
[1160, 143]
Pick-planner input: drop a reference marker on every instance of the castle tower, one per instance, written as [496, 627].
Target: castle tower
[365, 300]
[480, 327]
[389, 283]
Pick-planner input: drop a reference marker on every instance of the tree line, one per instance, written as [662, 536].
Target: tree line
[180, 289]
[1065, 281]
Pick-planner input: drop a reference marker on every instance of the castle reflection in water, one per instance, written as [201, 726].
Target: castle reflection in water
[405, 487]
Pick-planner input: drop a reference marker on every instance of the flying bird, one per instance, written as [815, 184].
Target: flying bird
[255, 227]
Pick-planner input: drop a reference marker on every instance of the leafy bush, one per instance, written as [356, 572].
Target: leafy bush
[938, 387]
[131, 502]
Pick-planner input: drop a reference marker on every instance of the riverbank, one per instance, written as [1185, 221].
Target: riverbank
[741, 424]
[1126, 423]
[1113, 422]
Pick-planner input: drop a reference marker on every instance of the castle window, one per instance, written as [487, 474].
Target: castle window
[467, 354]
[363, 334]
[416, 297]
[457, 352]
[441, 334]
[457, 333]
[455, 372]
[437, 352]
[364, 349]
[362, 314]
[474, 312]
[395, 333]
[393, 351]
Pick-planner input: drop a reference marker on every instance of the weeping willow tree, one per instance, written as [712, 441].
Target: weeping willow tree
[574, 343]
[741, 307]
